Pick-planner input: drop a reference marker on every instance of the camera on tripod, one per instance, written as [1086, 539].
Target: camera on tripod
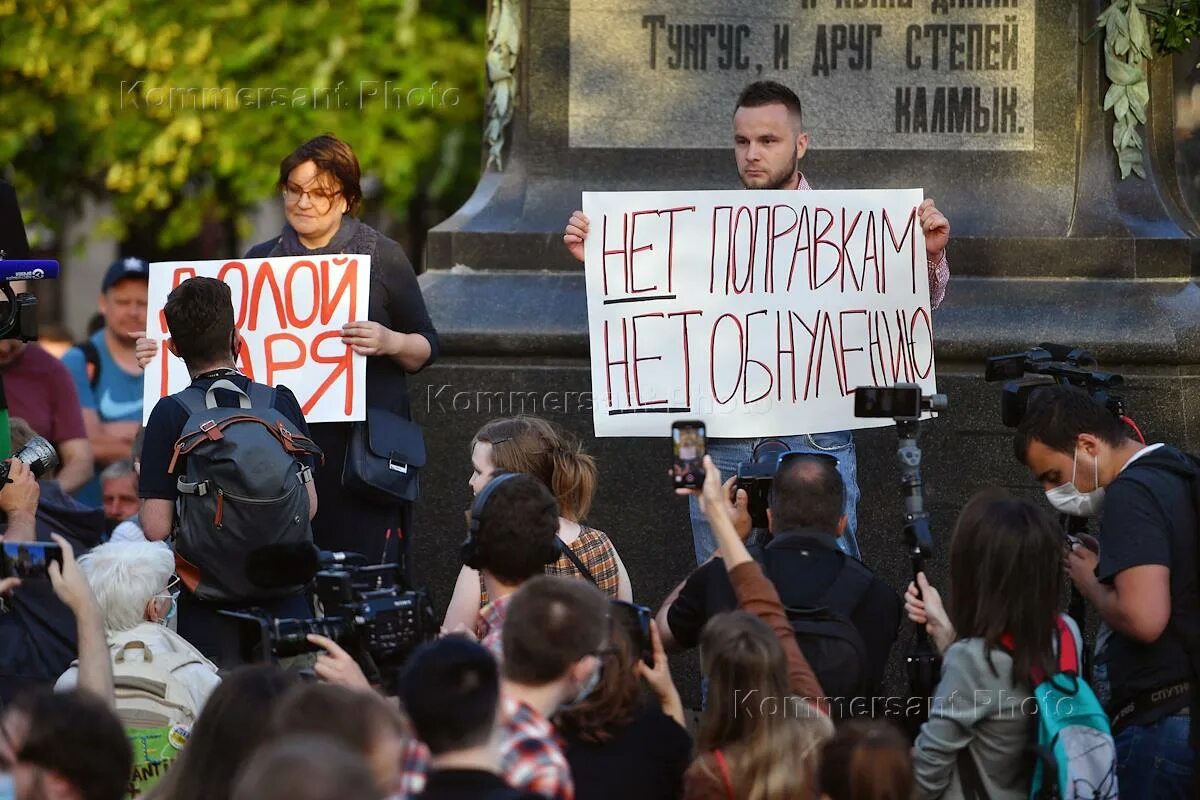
[365, 609]
[1046, 364]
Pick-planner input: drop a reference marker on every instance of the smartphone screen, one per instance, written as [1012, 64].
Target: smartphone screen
[635, 620]
[30, 560]
[688, 440]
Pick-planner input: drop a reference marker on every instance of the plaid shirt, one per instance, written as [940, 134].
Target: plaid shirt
[939, 271]
[531, 754]
[414, 767]
[490, 625]
[593, 548]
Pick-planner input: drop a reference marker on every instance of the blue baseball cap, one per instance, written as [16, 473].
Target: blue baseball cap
[124, 268]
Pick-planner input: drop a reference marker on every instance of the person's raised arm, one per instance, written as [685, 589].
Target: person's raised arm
[755, 592]
[95, 665]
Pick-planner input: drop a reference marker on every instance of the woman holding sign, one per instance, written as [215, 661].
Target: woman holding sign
[365, 499]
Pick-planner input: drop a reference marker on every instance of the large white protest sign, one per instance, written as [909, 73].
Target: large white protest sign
[758, 312]
[290, 312]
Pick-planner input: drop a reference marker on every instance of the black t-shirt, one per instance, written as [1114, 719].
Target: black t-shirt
[1149, 517]
[644, 759]
[470, 784]
[167, 421]
[803, 565]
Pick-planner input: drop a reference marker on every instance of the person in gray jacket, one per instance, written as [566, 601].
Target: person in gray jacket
[1006, 577]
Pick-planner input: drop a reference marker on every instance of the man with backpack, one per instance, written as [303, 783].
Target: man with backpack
[1144, 582]
[845, 617]
[105, 370]
[234, 457]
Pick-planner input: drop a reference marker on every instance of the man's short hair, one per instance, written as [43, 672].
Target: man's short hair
[117, 470]
[767, 93]
[451, 690]
[518, 530]
[1056, 415]
[353, 717]
[199, 315]
[124, 576]
[77, 736]
[306, 767]
[808, 492]
[552, 623]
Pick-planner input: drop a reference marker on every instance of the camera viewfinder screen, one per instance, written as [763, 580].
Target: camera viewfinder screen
[30, 560]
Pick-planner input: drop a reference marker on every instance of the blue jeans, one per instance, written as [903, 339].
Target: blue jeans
[1154, 761]
[728, 453]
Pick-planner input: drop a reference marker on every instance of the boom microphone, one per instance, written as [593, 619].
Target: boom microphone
[28, 269]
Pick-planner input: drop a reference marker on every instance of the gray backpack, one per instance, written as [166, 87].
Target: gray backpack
[243, 497]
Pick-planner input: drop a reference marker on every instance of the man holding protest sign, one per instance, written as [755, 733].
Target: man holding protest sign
[769, 142]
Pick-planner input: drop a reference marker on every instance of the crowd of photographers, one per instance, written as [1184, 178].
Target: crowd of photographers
[201, 646]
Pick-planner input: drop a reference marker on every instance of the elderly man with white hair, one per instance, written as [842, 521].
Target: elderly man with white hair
[133, 584]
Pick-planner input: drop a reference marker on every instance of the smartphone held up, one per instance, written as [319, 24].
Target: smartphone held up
[29, 560]
[688, 441]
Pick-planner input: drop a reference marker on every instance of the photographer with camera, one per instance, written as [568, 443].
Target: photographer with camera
[40, 391]
[803, 561]
[57, 511]
[234, 456]
[1144, 582]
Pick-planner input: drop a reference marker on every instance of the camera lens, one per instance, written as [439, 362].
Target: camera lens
[39, 455]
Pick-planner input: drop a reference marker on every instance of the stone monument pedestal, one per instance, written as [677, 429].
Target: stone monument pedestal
[1047, 244]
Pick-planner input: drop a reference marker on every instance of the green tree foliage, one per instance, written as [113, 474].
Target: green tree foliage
[180, 112]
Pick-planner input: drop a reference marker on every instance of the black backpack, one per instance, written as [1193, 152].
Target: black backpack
[831, 643]
[244, 494]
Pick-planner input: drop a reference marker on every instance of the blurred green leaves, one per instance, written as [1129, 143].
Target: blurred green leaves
[180, 112]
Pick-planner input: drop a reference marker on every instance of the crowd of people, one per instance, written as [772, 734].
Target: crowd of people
[546, 680]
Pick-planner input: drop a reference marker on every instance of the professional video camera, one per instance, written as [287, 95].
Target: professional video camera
[365, 609]
[38, 454]
[905, 403]
[1045, 364]
[18, 314]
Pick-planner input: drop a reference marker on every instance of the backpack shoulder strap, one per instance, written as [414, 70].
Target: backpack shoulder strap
[847, 590]
[565, 550]
[192, 400]
[261, 396]
[91, 360]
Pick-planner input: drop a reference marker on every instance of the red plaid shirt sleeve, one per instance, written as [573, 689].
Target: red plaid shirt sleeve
[532, 759]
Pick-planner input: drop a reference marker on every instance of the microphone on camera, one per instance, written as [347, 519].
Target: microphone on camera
[280, 566]
[27, 269]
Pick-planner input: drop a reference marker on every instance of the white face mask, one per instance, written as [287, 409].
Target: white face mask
[586, 689]
[1069, 500]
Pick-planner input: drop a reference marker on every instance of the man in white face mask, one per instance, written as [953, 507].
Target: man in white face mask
[554, 639]
[1144, 582]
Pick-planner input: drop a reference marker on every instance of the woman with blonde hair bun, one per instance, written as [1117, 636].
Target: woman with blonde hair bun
[542, 449]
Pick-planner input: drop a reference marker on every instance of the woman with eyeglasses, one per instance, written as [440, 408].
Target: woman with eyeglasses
[320, 184]
[134, 587]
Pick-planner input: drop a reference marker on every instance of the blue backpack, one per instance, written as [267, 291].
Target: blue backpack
[1076, 755]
